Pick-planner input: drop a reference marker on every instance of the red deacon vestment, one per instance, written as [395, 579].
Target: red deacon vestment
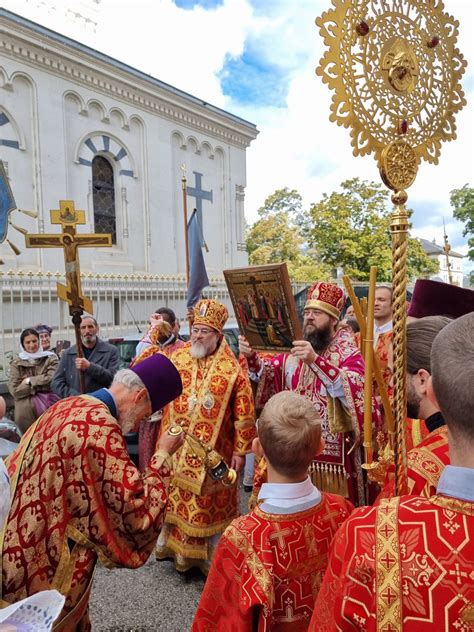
[77, 497]
[425, 463]
[268, 568]
[407, 564]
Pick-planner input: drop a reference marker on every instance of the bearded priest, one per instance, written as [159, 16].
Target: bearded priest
[328, 369]
[216, 407]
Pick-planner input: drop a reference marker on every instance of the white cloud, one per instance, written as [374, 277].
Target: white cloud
[297, 147]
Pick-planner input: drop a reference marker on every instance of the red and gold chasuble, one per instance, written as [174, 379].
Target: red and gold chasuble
[334, 470]
[216, 406]
[425, 464]
[268, 568]
[407, 564]
[383, 348]
[77, 498]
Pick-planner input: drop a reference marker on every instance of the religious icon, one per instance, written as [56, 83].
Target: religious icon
[264, 306]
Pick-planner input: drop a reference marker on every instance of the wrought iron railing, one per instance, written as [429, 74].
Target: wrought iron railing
[122, 304]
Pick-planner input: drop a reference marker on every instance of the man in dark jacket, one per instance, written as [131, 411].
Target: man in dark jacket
[100, 363]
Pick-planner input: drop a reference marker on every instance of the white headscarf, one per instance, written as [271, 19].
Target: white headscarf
[24, 355]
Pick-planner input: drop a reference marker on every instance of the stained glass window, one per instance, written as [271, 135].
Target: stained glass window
[103, 191]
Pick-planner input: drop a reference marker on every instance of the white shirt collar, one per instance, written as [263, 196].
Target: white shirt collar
[457, 482]
[383, 329]
[289, 497]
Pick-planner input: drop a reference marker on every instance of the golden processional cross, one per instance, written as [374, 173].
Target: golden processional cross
[68, 217]
[395, 71]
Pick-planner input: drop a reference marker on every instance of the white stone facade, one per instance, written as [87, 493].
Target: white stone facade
[62, 103]
[437, 253]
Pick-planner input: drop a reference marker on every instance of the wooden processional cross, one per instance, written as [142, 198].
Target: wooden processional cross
[70, 241]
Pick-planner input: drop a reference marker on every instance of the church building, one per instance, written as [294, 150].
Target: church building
[78, 125]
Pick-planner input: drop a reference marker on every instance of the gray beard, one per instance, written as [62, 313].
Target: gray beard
[198, 350]
[89, 342]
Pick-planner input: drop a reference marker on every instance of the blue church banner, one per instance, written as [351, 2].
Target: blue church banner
[7, 202]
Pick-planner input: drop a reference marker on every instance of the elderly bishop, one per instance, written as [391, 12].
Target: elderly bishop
[216, 408]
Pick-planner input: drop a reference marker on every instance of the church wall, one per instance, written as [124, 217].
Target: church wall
[60, 122]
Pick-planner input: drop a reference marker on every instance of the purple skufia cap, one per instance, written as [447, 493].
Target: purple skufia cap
[161, 379]
[435, 298]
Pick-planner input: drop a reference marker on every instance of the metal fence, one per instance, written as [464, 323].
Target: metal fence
[122, 304]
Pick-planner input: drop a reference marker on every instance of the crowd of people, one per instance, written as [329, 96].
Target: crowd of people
[323, 547]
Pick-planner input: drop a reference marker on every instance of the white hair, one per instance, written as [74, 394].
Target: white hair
[129, 379]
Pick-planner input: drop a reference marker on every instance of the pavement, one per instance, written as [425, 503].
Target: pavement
[153, 598]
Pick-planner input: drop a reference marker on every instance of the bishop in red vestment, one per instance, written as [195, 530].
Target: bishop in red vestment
[269, 564]
[77, 497]
[328, 369]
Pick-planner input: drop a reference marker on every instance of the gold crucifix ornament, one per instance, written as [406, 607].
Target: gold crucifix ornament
[68, 217]
[395, 71]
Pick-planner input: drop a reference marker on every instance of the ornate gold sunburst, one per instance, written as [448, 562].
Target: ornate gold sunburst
[395, 71]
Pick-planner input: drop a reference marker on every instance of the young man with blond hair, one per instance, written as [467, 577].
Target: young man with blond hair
[269, 564]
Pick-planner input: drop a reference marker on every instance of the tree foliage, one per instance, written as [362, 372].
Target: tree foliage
[349, 229]
[462, 201]
[275, 237]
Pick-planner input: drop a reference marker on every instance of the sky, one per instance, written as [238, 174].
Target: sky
[257, 59]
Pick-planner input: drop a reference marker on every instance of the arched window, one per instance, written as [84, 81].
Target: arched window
[103, 191]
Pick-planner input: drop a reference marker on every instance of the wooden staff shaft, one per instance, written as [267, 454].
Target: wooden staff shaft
[76, 321]
[369, 356]
[382, 389]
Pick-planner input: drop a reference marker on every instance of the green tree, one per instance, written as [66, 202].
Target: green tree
[462, 201]
[275, 237]
[351, 229]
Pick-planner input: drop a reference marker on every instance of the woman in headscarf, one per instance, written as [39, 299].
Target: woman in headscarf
[45, 336]
[30, 379]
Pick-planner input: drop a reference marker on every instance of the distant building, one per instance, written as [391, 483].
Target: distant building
[436, 252]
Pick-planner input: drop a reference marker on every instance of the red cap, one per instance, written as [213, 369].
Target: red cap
[434, 298]
[327, 297]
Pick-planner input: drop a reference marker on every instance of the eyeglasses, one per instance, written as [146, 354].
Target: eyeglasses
[204, 332]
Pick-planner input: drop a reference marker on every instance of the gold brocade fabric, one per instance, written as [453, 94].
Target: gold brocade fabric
[406, 565]
[268, 568]
[77, 498]
[198, 506]
[425, 464]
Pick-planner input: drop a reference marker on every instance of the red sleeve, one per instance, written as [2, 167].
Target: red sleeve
[230, 599]
[114, 509]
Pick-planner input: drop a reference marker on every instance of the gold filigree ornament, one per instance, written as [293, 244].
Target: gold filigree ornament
[395, 71]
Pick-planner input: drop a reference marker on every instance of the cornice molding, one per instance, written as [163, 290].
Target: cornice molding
[24, 45]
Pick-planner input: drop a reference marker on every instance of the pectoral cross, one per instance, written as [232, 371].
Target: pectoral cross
[68, 217]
